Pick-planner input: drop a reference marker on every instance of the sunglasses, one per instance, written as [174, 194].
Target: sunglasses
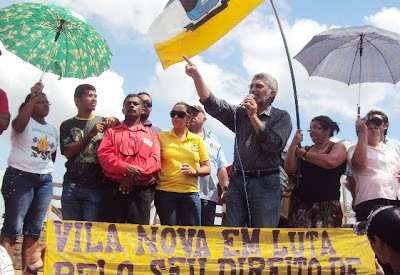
[180, 114]
[147, 104]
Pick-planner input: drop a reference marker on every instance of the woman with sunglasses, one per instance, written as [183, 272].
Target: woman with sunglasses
[28, 184]
[184, 158]
[315, 199]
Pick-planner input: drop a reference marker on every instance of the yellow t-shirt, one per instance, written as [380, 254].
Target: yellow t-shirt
[174, 152]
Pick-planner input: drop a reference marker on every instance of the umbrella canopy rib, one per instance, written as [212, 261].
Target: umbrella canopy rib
[384, 58]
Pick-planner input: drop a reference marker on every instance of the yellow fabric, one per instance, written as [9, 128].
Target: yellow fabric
[174, 152]
[78, 247]
[190, 42]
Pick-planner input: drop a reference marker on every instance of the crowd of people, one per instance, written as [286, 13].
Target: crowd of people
[127, 171]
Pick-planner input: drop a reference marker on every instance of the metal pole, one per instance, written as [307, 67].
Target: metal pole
[359, 77]
[290, 65]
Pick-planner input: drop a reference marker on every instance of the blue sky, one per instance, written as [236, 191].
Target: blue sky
[254, 45]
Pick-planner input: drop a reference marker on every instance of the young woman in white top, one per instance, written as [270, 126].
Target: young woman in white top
[28, 184]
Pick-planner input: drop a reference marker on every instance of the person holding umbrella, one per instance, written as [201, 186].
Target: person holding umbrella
[28, 184]
[390, 142]
[315, 200]
[375, 168]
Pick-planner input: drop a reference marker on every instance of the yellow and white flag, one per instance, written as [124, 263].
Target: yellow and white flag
[188, 27]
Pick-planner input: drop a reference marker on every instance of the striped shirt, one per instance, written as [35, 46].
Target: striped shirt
[257, 151]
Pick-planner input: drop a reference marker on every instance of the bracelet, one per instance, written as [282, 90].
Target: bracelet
[31, 271]
[304, 155]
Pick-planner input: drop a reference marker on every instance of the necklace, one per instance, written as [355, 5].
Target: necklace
[325, 147]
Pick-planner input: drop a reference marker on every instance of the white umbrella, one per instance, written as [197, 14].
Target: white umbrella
[353, 55]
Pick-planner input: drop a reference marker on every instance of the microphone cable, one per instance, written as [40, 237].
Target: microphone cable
[242, 169]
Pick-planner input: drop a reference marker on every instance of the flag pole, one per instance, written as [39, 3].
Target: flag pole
[290, 65]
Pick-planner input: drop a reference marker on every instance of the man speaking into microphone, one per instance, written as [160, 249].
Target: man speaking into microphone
[254, 193]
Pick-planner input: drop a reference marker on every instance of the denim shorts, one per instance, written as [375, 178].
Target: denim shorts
[26, 198]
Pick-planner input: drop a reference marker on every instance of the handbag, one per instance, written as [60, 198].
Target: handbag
[292, 182]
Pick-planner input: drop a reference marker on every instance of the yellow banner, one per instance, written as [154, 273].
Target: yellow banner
[178, 31]
[103, 248]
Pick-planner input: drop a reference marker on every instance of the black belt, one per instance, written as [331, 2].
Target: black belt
[256, 173]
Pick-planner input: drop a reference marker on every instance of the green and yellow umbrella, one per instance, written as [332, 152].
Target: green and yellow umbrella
[54, 40]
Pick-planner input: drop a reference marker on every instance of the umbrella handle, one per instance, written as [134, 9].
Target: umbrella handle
[290, 65]
[52, 51]
[41, 77]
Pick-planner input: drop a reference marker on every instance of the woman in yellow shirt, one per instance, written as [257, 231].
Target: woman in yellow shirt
[184, 158]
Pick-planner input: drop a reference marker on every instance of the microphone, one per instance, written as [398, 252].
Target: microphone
[247, 96]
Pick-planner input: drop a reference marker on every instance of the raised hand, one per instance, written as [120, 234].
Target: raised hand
[36, 90]
[190, 69]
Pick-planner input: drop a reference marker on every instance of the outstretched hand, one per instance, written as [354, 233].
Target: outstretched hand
[190, 68]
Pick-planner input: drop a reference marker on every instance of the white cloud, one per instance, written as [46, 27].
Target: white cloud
[385, 19]
[122, 16]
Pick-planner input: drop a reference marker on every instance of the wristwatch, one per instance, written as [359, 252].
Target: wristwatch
[31, 271]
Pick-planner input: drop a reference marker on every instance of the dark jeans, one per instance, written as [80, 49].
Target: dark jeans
[127, 208]
[208, 212]
[261, 196]
[178, 208]
[364, 209]
[81, 204]
[26, 197]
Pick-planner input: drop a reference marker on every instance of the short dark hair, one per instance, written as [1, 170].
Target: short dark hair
[81, 89]
[386, 226]
[376, 112]
[144, 93]
[327, 123]
[132, 95]
[385, 118]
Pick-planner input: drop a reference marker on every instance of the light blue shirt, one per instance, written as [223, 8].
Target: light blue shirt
[208, 185]
[394, 144]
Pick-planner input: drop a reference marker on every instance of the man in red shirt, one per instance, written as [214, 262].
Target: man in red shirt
[129, 155]
[4, 112]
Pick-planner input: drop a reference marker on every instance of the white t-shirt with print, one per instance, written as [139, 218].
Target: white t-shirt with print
[31, 150]
[6, 265]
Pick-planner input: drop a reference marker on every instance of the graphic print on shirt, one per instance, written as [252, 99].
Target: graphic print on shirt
[194, 148]
[212, 149]
[42, 149]
[89, 155]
